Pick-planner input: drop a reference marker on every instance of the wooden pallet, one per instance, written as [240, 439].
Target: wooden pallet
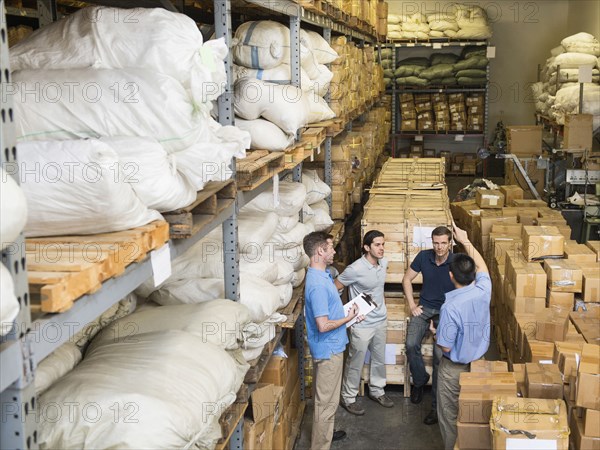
[257, 167]
[210, 201]
[297, 154]
[60, 269]
[314, 136]
[228, 421]
[294, 308]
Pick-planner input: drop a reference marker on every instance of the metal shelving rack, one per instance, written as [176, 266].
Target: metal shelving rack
[395, 92]
[25, 347]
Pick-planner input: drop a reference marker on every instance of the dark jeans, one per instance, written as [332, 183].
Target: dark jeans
[416, 331]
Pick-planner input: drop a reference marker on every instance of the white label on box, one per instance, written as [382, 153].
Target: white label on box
[319, 150]
[437, 45]
[160, 261]
[422, 237]
[546, 361]
[410, 44]
[418, 138]
[531, 444]
[585, 74]
[491, 52]
[312, 156]
[275, 191]
[459, 137]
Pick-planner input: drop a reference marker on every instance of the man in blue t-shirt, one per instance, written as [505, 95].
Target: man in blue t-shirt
[463, 333]
[326, 334]
[433, 264]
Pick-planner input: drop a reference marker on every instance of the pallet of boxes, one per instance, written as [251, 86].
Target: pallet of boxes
[408, 199]
[279, 404]
[538, 277]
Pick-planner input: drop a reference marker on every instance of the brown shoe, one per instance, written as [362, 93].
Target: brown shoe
[384, 400]
[353, 408]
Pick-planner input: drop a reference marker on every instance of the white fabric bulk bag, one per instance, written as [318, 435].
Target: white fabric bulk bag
[184, 387]
[323, 52]
[321, 221]
[298, 277]
[284, 105]
[573, 61]
[316, 189]
[78, 187]
[84, 103]
[320, 83]
[285, 294]
[280, 73]
[13, 206]
[319, 109]
[291, 197]
[582, 43]
[265, 135]
[152, 173]
[112, 38]
[261, 297]
[261, 44]
[56, 365]
[9, 306]
[219, 322]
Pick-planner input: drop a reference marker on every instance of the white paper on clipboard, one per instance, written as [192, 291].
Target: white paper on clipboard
[422, 237]
[365, 306]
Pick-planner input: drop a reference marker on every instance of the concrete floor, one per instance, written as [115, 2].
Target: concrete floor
[398, 428]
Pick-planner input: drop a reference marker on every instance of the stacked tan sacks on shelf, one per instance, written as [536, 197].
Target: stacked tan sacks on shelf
[408, 199]
[357, 79]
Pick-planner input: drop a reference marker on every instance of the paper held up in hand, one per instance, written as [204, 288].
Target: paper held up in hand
[365, 306]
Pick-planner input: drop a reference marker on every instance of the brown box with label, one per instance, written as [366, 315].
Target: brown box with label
[489, 198]
[543, 420]
[511, 193]
[578, 131]
[563, 275]
[542, 241]
[477, 391]
[524, 140]
[474, 436]
[543, 381]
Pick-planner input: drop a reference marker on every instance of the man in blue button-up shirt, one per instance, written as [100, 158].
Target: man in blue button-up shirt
[326, 333]
[463, 333]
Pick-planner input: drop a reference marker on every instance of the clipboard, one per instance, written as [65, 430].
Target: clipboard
[365, 305]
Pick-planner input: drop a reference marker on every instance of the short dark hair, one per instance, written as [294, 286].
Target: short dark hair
[442, 231]
[463, 269]
[312, 241]
[370, 237]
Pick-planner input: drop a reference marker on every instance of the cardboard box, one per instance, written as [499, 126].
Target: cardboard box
[264, 411]
[565, 300]
[590, 359]
[543, 381]
[591, 423]
[563, 275]
[482, 365]
[279, 435]
[511, 193]
[590, 290]
[258, 435]
[566, 356]
[527, 279]
[588, 391]
[545, 419]
[519, 374]
[501, 382]
[276, 371]
[578, 132]
[524, 140]
[552, 325]
[579, 252]
[474, 436]
[522, 305]
[581, 440]
[595, 247]
[489, 198]
[542, 241]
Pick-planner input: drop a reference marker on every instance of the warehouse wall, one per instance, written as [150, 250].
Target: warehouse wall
[584, 15]
[524, 33]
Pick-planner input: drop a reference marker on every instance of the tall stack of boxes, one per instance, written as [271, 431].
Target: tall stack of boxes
[475, 112]
[424, 109]
[441, 112]
[408, 112]
[458, 112]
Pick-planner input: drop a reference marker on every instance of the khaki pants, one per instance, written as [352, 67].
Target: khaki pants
[327, 382]
[362, 339]
[448, 390]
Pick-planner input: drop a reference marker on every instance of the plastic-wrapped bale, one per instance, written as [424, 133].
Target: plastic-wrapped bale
[185, 387]
[81, 190]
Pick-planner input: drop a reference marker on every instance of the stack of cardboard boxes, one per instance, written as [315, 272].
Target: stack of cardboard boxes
[463, 163]
[526, 143]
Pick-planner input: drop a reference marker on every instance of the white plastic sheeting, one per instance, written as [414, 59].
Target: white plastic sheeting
[13, 207]
[161, 390]
[111, 38]
[78, 187]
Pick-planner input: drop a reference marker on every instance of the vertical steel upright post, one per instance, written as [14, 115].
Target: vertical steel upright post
[226, 117]
[18, 402]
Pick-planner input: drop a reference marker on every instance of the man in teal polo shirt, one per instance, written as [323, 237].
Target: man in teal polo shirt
[433, 264]
[463, 333]
[326, 334]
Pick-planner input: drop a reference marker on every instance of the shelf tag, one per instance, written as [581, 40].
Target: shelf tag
[275, 190]
[459, 137]
[491, 52]
[437, 45]
[410, 44]
[585, 74]
[160, 260]
[418, 138]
